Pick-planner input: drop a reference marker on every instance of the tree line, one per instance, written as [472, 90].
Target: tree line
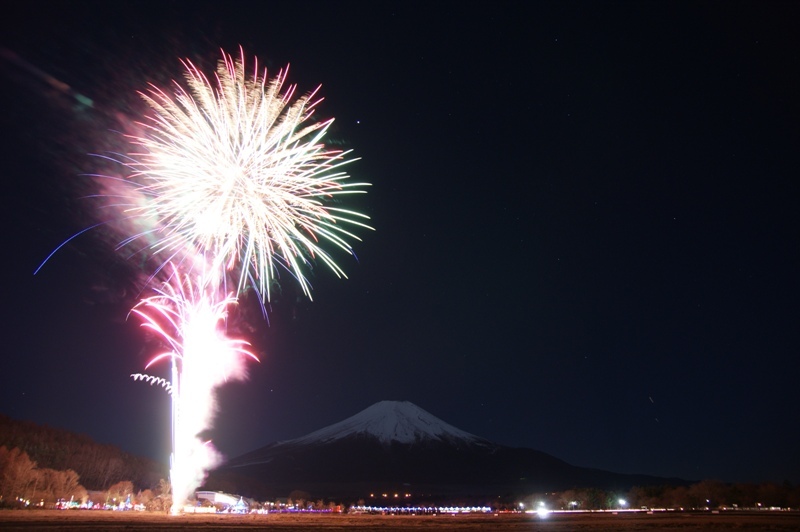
[23, 484]
[98, 466]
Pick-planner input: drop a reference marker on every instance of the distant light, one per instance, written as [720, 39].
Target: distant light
[623, 502]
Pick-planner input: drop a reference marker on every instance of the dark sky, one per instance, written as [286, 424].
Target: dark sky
[586, 225]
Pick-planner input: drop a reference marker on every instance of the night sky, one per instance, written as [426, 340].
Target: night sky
[586, 226]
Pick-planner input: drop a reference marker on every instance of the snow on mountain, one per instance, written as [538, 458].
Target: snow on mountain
[397, 443]
[390, 421]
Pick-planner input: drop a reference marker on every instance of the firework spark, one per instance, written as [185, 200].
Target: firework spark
[236, 170]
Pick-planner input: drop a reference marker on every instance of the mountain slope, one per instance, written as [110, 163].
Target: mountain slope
[98, 465]
[390, 421]
[393, 446]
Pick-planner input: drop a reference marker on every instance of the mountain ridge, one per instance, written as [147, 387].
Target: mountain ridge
[390, 421]
[396, 443]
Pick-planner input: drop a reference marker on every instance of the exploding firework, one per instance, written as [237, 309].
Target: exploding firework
[236, 170]
[232, 179]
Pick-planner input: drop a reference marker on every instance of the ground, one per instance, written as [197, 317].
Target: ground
[74, 521]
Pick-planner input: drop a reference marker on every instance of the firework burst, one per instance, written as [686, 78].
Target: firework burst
[235, 169]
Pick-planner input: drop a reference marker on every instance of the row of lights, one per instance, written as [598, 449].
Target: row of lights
[426, 509]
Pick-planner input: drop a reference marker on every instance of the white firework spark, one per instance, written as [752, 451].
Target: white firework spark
[164, 383]
[236, 170]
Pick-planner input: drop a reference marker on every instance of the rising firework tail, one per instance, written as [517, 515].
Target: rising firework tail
[189, 316]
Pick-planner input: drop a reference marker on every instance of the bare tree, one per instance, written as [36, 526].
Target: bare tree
[144, 496]
[53, 485]
[164, 487]
[119, 492]
[17, 475]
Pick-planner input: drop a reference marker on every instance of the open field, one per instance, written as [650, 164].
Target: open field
[69, 521]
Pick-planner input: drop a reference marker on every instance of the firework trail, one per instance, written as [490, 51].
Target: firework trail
[232, 180]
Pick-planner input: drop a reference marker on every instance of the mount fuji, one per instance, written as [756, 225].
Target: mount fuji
[392, 422]
[397, 446]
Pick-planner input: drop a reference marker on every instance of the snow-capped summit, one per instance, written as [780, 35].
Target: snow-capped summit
[394, 443]
[390, 421]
